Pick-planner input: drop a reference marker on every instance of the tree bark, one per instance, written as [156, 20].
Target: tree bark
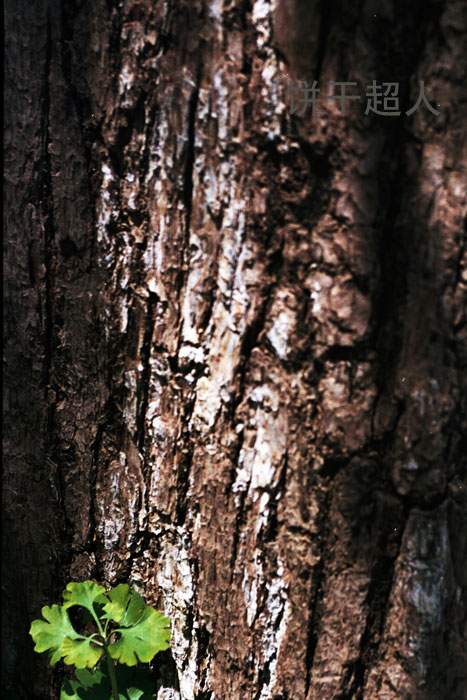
[236, 340]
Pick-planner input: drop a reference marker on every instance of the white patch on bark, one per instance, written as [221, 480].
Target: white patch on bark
[315, 295]
[271, 94]
[250, 592]
[195, 354]
[280, 332]
[273, 620]
[319, 285]
[167, 694]
[211, 187]
[160, 162]
[228, 318]
[120, 508]
[125, 82]
[125, 261]
[111, 526]
[261, 16]
[130, 407]
[258, 463]
[175, 580]
[106, 212]
[233, 226]
[208, 403]
[193, 295]
[215, 8]
[411, 465]
[222, 111]
[277, 615]
[123, 315]
[159, 424]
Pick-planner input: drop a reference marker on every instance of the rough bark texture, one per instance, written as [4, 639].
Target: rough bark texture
[236, 340]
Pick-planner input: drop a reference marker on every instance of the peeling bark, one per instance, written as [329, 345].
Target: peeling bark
[236, 341]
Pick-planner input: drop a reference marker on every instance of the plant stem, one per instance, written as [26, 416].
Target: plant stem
[112, 676]
[99, 626]
[110, 666]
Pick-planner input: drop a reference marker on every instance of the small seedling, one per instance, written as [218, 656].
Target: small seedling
[127, 631]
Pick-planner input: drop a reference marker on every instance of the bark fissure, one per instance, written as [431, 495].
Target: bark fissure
[377, 604]
[255, 329]
[146, 355]
[46, 198]
[316, 597]
[190, 153]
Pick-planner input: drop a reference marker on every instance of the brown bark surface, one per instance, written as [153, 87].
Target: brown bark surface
[236, 340]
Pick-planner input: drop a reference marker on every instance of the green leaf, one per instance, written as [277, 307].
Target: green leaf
[132, 694]
[88, 686]
[134, 611]
[58, 638]
[136, 682]
[49, 636]
[80, 652]
[133, 684]
[142, 640]
[119, 598]
[141, 633]
[125, 607]
[89, 679]
[85, 594]
[114, 609]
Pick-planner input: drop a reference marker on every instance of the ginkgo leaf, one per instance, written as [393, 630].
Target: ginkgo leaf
[88, 686]
[134, 683]
[141, 633]
[132, 694]
[80, 652]
[73, 690]
[124, 605]
[89, 679]
[49, 636]
[134, 610]
[85, 594]
[95, 685]
[119, 596]
[142, 640]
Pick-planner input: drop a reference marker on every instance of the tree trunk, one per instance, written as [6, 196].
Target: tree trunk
[236, 340]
